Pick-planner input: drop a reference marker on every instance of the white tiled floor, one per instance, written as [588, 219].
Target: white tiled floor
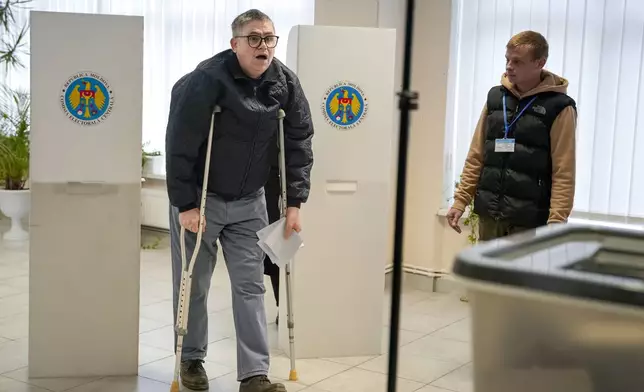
[435, 354]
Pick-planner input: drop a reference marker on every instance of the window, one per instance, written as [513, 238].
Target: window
[598, 45]
[178, 35]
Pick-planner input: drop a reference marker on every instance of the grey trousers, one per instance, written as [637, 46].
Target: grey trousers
[235, 224]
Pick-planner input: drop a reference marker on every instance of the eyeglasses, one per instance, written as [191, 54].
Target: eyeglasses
[255, 41]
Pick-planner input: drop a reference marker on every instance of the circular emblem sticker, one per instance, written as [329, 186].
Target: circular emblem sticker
[345, 105]
[87, 98]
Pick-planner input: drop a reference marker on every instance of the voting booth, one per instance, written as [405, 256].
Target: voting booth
[339, 274]
[86, 92]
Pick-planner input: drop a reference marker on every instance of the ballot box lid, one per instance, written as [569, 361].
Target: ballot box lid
[580, 260]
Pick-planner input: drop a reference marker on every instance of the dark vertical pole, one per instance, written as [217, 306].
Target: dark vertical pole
[407, 103]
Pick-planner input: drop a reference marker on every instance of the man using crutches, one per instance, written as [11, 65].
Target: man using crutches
[249, 88]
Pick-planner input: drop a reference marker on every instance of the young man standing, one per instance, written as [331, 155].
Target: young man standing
[520, 169]
[251, 87]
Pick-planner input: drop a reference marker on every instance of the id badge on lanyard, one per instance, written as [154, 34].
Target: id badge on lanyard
[506, 144]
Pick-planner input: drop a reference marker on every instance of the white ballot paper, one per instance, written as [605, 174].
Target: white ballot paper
[279, 249]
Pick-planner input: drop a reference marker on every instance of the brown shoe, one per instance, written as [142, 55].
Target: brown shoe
[260, 384]
[193, 375]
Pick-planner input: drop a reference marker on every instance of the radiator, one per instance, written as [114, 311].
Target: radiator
[154, 208]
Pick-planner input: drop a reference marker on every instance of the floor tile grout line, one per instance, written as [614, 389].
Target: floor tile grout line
[80, 385]
[4, 374]
[10, 295]
[415, 340]
[340, 363]
[224, 375]
[11, 278]
[27, 383]
[458, 368]
[154, 303]
[152, 379]
[433, 386]
[327, 378]
[156, 360]
[416, 381]
[452, 340]
[14, 295]
[47, 389]
[387, 374]
[449, 325]
[155, 329]
[447, 374]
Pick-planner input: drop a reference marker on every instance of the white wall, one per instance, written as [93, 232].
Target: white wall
[429, 242]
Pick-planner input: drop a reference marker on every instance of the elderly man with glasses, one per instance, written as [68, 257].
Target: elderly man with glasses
[250, 87]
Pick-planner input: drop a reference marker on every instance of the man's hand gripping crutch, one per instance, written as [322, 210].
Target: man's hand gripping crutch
[287, 268]
[186, 271]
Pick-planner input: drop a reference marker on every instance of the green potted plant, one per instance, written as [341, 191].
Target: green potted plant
[14, 160]
[12, 45]
[14, 124]
[471, 220]
[152, 162]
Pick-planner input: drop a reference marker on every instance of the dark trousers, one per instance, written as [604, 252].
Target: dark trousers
[272, 192]
[490, 229]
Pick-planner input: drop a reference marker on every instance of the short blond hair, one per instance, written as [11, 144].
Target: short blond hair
[535, 41]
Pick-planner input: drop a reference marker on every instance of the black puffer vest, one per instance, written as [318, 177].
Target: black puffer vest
[515, 186]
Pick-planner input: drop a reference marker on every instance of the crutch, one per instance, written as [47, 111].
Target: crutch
[186, 273]
[287, 268]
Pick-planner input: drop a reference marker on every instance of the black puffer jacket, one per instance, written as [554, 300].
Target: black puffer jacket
[516, 187]
[244, 142]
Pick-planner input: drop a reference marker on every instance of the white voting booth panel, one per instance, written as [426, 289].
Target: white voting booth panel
[348, 76]
[86, 92]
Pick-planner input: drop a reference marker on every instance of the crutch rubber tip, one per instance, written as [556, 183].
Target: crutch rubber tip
[291, 377]
[175, 386]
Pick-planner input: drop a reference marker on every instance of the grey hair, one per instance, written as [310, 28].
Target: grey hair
[249, 16]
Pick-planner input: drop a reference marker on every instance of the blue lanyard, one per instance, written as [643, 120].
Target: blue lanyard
[505, 115]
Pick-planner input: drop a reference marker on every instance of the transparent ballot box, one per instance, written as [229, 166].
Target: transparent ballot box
[560, 308]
